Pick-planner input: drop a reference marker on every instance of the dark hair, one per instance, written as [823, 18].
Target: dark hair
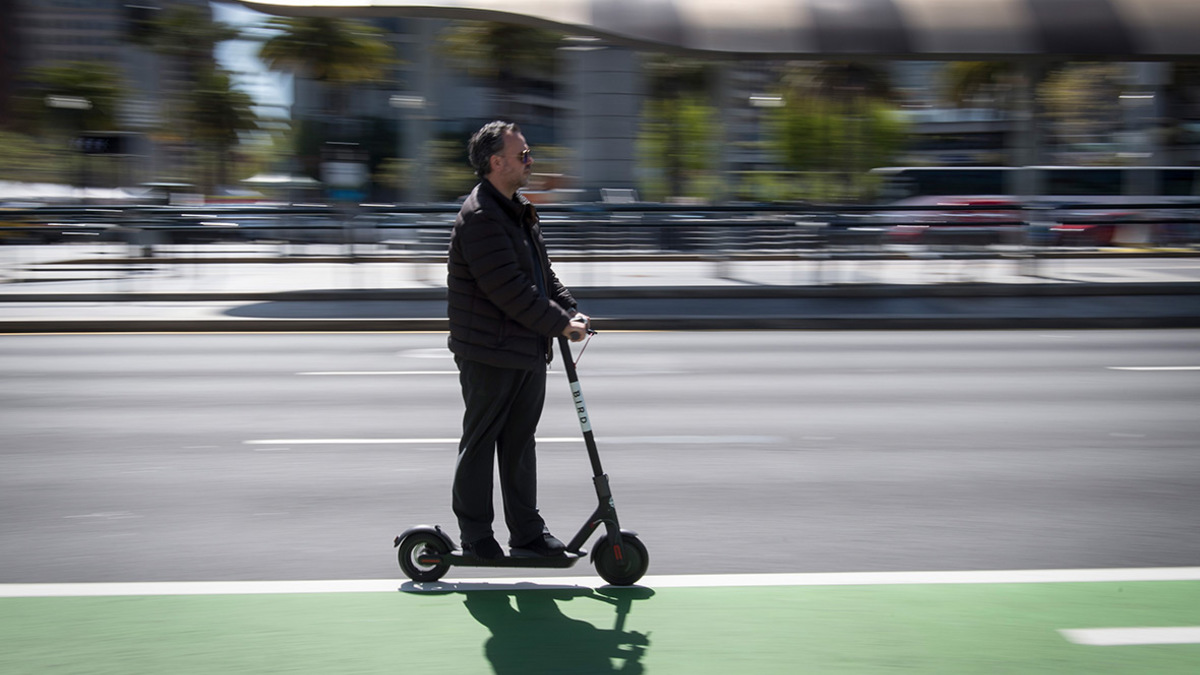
[486, 142]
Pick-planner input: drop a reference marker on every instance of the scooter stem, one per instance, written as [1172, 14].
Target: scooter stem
[580, 407]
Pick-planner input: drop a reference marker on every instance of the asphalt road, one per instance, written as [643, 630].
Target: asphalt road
[214, 457]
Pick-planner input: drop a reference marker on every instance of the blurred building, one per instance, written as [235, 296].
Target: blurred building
[588, 106]
[943, 134]
[38, 33]
[10, 46]
[70, 30]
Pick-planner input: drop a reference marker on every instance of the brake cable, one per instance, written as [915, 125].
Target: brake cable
[582, 349]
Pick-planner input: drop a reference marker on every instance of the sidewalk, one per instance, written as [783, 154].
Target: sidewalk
[80, 289]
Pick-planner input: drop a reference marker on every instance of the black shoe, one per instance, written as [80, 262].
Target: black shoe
[545, 545]
[487, 548]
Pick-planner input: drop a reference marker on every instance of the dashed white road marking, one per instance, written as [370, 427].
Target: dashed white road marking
[103, 515]
[427, 353]
[550, 582]
[379, 372]
[402, 373]
[1124, 637]
[693, 440]
[619, 440]
[382, 441]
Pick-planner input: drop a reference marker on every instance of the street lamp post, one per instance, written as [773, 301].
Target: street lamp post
[80, 104]
[411, 117]
[416, 110]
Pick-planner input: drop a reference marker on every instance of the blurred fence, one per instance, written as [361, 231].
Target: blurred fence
[599, 231]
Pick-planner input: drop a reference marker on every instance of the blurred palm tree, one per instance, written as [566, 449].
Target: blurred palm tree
[510, 57]
[336, 54]
[186, 35]
[333, 52]
[70, 97]
[217, 114]
[189, 34]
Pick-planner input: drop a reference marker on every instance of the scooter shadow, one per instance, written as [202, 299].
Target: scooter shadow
[531, 634]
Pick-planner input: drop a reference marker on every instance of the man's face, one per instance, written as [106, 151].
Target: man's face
[515, 166]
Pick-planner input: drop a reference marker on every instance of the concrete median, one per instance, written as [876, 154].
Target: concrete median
[842, 307]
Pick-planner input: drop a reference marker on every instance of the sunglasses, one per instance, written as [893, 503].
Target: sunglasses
[526, 156]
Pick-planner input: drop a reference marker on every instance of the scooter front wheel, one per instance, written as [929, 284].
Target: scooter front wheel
[625, 570]
[416, 545]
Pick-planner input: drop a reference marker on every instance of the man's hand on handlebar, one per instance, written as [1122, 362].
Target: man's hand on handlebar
[577, 329]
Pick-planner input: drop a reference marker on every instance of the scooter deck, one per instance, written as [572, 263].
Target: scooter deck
[457, 559]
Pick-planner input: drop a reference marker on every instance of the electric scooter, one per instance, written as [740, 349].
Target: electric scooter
[426, 552]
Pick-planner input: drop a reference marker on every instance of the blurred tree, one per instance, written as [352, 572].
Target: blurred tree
[1082, 104]
[217, 115]
[677, 148]
[69, 97]
[25, 159]
[452, 172]
[989, 83]
[333, 52]
[336, 54]
[60, 102]
[846, 81]
[836, 122]
[451, 175]
[189, 34]
[1011, 87]
[833, 145]
[511, 57]
[680, 127]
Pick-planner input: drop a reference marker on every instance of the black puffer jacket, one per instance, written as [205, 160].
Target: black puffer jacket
[497, 314]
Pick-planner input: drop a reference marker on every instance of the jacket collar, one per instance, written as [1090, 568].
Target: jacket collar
[519, 208]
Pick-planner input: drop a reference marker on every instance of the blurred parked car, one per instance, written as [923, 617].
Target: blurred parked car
[958, 221]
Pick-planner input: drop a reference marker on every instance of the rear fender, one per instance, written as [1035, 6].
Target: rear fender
[435, 530]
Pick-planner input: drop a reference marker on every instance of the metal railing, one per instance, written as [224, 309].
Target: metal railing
[627, 229]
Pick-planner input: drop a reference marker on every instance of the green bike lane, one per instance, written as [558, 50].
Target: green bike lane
[927, 623]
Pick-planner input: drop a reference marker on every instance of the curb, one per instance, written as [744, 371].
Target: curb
[680, 323]
[943, 290]
[966, 306]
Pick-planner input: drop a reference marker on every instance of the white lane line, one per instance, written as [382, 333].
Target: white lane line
[1124, 637]
[381, 372]
[382, 441]
[951, 577]
[196, 588]
[1153, 368]
[693, 440]
[620, 440]
[550, 582]
[427, 353]
[353, 373]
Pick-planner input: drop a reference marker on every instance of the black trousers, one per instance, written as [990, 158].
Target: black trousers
[503, 407]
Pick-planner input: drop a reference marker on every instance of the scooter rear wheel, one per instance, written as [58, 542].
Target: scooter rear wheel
[413, 547]
[634, 562]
